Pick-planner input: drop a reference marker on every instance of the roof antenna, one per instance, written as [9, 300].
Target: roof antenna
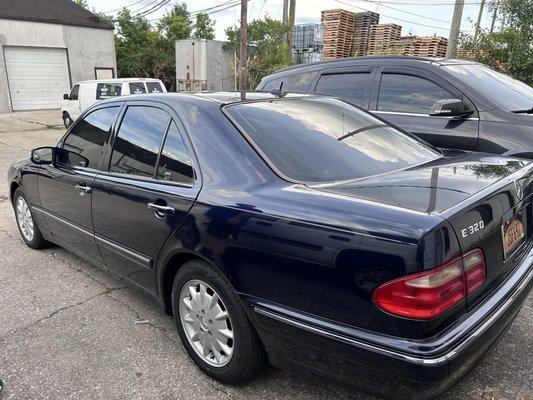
[279, 92]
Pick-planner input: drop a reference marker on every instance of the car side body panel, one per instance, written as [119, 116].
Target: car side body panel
[305, 259]
[488, 129]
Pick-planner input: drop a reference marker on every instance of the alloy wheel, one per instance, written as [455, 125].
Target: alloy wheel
[206, 322]
[25, 219]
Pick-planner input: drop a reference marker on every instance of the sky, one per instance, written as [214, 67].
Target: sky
[417, 17]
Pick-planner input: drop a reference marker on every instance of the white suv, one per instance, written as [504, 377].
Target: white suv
[85, 93]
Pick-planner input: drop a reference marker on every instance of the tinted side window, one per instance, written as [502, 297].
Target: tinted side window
[138, 141]
[108, 90]
[75, 92]
[292, 83]
[354, 87]
[87, 138]
[154, 87]
[175, 164]
[407, 93]
[137, 88]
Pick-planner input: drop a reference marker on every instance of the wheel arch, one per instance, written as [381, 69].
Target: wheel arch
[12, 187]
[170, 267]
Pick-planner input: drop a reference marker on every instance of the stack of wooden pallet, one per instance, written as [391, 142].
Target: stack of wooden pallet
[338, 27]
[465, 54]
[363, 22]
[420, 46]
[402, 46]
[381, 38]
[430, 46]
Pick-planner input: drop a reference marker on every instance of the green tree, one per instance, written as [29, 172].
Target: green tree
[176, 24]
[510, 49]
[82, 3]
[143, 51]
[204, 28]
[268, 49]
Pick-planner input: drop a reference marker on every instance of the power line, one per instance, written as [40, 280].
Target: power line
[397, 19]
[424, 3]
[125, 6]
[210, 10]
[146, 6]
[408, 12]
[158, 6]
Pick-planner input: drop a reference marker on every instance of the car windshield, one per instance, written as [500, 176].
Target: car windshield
[321, 139]
[508, 93]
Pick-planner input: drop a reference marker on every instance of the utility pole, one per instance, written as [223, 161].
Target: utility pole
[243, 75]
[292, 11]
[476, 32]
[454, 31]
[494, 11]
[286, 17]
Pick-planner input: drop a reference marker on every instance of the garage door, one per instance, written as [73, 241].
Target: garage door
[37, 77]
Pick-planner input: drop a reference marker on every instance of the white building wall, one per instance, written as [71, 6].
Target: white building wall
[203, 65]
[87, 48]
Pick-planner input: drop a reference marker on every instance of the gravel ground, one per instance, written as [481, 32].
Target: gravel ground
[68, 331]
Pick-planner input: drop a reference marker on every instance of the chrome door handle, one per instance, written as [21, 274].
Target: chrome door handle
[83, 188]
[161, 209]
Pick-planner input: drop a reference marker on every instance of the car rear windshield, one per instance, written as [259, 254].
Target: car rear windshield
[321, 139]
[508, 93]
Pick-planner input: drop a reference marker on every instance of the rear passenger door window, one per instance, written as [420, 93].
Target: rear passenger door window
[154, 87]
[352, 86]
[409, 94]
[108, 90]
[137, 88]
[87, 138]
[174, 163]
[138, 141]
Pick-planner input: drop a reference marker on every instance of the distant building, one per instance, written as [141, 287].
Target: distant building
[203, 65]
[45, 47]
[307, 43]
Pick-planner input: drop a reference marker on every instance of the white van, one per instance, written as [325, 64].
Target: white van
[86, 93]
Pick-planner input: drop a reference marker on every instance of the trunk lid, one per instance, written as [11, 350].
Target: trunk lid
[480, 195]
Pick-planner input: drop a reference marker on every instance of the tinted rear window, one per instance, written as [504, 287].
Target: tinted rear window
[154, 87]
[324, 139]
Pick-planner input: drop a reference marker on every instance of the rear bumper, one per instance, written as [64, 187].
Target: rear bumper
[388, 366]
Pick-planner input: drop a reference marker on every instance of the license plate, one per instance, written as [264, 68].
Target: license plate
[513, 233]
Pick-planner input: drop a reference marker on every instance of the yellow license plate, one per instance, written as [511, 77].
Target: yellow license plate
[513, 233]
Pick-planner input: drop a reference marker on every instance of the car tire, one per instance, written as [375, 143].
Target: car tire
[28, 229]
[67, 120]
[237, 359]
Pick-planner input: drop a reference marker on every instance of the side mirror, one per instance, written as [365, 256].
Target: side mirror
[449, 108]
[71, 158]
[43, 155]
[66, 96]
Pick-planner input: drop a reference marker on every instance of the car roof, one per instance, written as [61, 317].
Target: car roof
[235, 97]
[120, 80]
[203, 98]
[383, 59]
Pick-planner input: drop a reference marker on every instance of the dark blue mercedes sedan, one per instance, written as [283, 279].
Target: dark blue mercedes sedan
[298, 230]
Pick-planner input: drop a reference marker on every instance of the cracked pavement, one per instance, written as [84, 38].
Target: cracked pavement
[71, 331]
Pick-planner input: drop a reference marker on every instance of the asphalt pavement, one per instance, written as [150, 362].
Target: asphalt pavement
[71, 331]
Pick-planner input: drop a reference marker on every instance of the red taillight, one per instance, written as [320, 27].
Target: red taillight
[428, 294]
